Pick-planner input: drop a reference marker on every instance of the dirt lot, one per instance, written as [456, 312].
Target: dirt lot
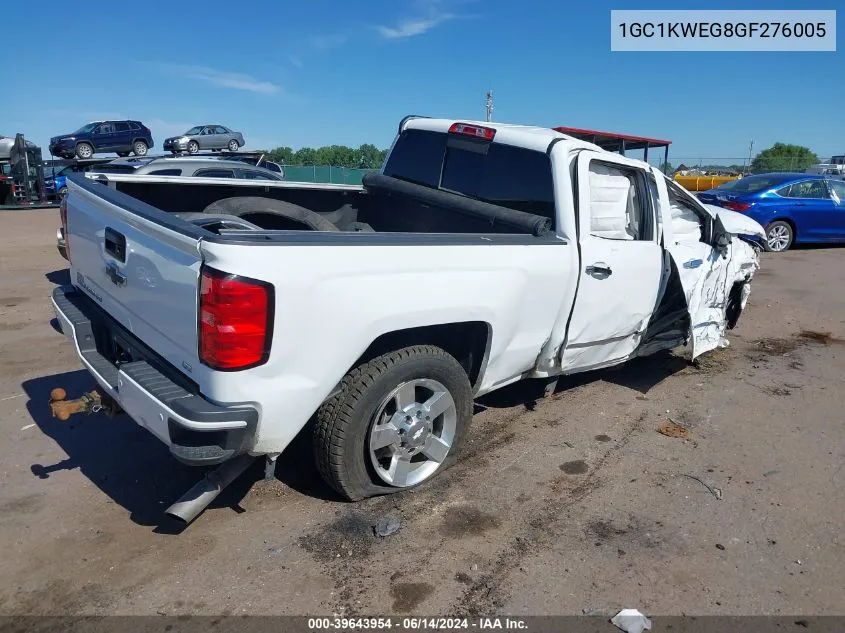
[575, 504]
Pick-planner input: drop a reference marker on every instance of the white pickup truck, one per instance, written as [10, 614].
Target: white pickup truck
[224, 316]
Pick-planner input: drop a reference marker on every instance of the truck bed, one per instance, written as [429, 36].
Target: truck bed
[382, 205]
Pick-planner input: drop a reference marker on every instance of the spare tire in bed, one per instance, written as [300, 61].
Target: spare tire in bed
[252, 208]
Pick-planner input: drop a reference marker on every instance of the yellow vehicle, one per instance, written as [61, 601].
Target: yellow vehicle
[702, 183]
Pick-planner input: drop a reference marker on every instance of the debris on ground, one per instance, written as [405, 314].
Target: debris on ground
[673, 429]
[716, 492]
[631, 621]
[387, 525]
[825, 338]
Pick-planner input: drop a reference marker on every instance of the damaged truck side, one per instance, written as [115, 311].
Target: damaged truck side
[224, 316]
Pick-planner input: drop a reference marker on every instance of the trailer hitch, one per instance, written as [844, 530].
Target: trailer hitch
[91, 402]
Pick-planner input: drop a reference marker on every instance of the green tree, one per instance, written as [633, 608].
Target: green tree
[370, 157]
[666, 167]
[367, 156]
[305, 156]
[783, 157]
[283, 155]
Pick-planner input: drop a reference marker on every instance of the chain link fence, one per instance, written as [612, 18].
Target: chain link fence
[325, 174]
[736, 165]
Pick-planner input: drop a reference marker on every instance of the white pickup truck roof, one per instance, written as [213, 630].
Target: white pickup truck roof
[527, 136]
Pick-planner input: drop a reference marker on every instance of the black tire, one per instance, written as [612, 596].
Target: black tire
[123, 154]
[193, 147]
[343, 422]
[139, 148]
[255, 206]
[778, 229]
[61, 193]
[84, 150]
[234, 146]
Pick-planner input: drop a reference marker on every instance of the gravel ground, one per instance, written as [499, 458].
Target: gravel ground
[573, 504]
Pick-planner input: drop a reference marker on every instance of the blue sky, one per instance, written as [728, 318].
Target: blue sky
[318, 72]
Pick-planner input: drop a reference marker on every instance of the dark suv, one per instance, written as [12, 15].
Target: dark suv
[121, 137]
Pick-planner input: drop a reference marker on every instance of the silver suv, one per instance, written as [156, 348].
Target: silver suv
[194, 167]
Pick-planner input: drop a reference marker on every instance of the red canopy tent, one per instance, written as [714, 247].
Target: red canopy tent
[621, 143]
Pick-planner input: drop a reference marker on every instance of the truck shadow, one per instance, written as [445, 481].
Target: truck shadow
[138, 473]
[121, 458]
[639, 375]
[59, 277]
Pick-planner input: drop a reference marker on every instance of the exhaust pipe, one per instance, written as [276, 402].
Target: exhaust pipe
[193, 502]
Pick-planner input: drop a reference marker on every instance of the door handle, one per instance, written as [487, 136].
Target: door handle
[599, 268]
[115, 244]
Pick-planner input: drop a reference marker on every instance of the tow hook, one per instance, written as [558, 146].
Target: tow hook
[91, 402]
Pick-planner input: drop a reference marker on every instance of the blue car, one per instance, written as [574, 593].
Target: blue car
[121, 137]
[793, 208]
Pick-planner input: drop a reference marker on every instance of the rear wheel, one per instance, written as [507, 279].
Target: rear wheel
[193, 147]
[84, 150]
[140, 148]
[397, 421]
[779, 236]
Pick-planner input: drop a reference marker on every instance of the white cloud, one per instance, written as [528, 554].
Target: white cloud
[410, 27]
[216, 77]
[429, 15]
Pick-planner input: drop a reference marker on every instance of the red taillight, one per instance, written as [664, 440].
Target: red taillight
[235, 320]
[63, 215]
[736, 206]
[486, 133]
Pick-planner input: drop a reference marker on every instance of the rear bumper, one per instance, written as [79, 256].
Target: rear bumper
[197, 431]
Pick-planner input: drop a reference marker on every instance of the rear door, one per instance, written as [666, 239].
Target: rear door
[144, 274]
[621, 262]
[837, 193]
[122, 135]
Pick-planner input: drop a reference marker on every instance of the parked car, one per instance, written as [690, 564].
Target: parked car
[194, 167]
[213, 137]
[258, 161]
[380, 311]
[173, 166]
[795, 208]
[121, 137]
[55, 177]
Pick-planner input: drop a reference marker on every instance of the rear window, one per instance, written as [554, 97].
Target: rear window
[505, 175]
[417, 157]
[121, 126]
[752, 184]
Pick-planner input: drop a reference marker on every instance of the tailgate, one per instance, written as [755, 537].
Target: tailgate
[143, 273]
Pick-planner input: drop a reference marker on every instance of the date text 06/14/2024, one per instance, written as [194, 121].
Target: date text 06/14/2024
[416, 624]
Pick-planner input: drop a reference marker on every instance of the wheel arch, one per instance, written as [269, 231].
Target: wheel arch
[468, 341]
[780, 217]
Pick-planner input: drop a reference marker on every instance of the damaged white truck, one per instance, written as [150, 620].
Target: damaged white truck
[226, 315]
